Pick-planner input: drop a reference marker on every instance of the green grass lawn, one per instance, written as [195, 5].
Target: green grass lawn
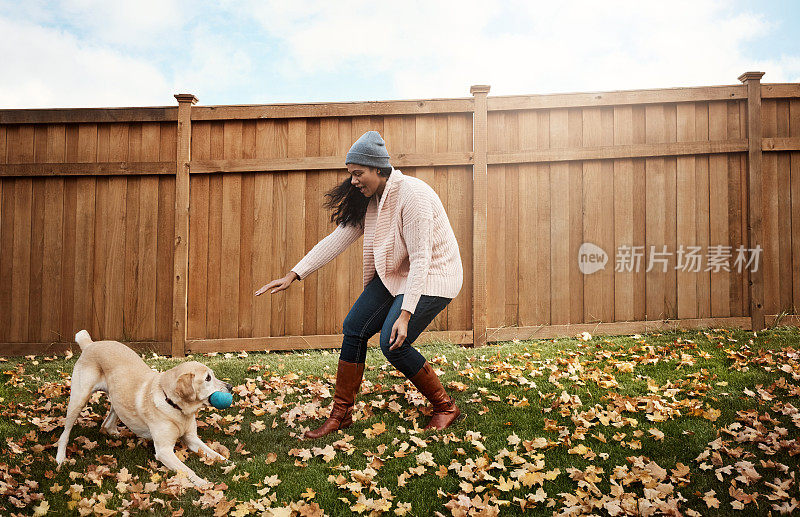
[701, 423]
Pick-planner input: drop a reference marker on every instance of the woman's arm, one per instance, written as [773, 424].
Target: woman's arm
[328, 249]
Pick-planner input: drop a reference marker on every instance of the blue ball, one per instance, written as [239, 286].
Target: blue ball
[221, 399]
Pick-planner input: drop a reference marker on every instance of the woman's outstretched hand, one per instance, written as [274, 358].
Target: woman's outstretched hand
[280, 284]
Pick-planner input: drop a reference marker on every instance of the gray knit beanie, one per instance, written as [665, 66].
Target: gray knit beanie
[369, 150]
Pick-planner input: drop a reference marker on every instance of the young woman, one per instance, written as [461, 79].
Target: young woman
[412, 270]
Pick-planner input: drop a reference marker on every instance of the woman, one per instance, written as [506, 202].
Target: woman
[412, 270]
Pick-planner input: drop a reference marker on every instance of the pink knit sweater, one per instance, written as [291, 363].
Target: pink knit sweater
[408, 242]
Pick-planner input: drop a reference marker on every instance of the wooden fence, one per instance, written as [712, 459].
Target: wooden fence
[154, 226]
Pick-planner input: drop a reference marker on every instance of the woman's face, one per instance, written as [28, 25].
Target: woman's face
[366, 179]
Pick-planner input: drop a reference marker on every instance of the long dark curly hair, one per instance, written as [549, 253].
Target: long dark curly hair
[347, 204]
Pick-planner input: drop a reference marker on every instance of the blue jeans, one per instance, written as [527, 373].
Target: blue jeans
[376, 310]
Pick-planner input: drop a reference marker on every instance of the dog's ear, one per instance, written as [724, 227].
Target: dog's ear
[184, 387]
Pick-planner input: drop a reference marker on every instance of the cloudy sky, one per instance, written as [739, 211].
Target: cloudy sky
[91, 53]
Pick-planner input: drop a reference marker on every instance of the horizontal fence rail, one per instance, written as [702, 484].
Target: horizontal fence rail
[154, 226]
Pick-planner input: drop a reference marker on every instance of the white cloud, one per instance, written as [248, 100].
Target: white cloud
[135, 24]
[100, 53]
[212, 65]
[434, 49]
[46, 68]
[102, 65]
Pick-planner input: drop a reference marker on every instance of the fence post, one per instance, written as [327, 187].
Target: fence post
[480, 141]
[181, 243]
[752, 80]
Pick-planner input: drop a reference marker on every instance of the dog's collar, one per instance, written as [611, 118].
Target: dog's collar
[172, 403]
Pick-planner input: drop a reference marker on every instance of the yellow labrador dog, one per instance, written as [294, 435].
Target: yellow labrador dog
[154, 405]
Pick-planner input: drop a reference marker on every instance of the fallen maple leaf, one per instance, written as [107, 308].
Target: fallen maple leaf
[711, 501]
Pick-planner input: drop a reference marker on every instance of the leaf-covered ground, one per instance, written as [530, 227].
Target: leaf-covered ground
[680, 423]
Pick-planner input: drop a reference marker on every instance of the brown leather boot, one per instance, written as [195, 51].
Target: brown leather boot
[444, 409]
[348, 380]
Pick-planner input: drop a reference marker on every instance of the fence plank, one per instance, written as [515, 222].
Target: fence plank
[215, 270]
[639, 133]
[262, 240]
[460, 214]
[596, 99]
[51, 266]
[598, 215]
[230, 254]
[534, 292]
[686, 216]
[794, 131]
[495, 227]
[735, 212]
[20, 285]
[113, 168]
[512, 224]
[295, 225]
[615, 328]
[576, 230]
[148, 235]
[114, 271]
[199, 235]
[35, 331]
[69, 246]
[231, 234]
[544, 223]
[440, 187]
[246, 285]
[100, 224]
[165, 264]
[613, 152]
[479, 228]
[670, 217]
[718, 211]
[309, 342]
[36, 266]
[21, 149]
[51, 348]
[623, 200]
[784, 208]
[167, 240]
[770, 213]
[148, 229]
[173, 235]
[703, 213]
[279, 235]
[744, 279]
[656, 208]
[86, 116]
[83, 317]
[351, 257]
[262, 253]
[6, 251]
[333, 109]
[327, 320]
[756, 232]
[312, 303]
[560, 203]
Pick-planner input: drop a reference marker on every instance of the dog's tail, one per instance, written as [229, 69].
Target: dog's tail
[83, 339]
